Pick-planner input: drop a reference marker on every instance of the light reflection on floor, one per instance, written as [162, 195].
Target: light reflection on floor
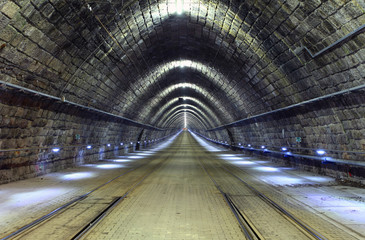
[144, 154]
[35, 196]
[243, 163]
[110, 166]
[266, 169]
[283, 180]
[231, 158]
[136, 157]
[78, 175]
[304, 187]
[319, 179]
[122, 160]
[209, 146]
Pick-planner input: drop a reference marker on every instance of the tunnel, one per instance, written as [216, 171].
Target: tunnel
[278, 82]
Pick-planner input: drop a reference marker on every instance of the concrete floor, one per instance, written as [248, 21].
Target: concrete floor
[179, 201]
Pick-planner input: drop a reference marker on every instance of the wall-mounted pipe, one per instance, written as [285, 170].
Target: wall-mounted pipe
[62, 100]
[232, 124]
[333, 45]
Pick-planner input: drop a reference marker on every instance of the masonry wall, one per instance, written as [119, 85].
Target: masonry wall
[30, 127]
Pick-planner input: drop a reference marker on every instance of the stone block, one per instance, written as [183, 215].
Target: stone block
[10, 9]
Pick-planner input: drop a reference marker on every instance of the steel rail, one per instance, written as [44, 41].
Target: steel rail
[247, 228]
[304, 226]
[64, 206]
[86, 108]
[108, 209]
[307, 229]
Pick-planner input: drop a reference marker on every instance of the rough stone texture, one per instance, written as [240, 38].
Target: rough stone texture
[137, 59]
[33, 126]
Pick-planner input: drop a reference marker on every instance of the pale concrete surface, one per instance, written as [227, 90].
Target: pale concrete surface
[337, 212]
[178, 201]
[24, 201]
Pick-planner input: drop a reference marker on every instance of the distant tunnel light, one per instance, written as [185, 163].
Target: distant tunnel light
[284, 149]
[179, 6]
[55, 150]
[249, 145]
[262, 146]
[121, 144]
[108, 145]
[88, 146]
[321, 152]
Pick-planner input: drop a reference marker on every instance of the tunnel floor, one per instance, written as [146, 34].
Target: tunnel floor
[184, 189]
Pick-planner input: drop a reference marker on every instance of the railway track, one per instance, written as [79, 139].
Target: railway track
[94, 206]
[257, 213]
[237, 198]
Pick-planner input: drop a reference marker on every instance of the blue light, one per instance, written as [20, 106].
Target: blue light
[249, 145]
[321, 152]
[121, 144]
[284, 149]
[287, 154]
[88, 147]
[108, 145]
[262, 146]
[55, 150]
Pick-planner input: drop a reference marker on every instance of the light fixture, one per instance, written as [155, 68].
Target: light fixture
[262, 146]
[121, 144]
[89, 147]
[284, 149]
[55, 150]
[249, 145]
[108, 145]
[321, 152]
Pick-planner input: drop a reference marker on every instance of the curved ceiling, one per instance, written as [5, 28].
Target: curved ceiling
[229, 59]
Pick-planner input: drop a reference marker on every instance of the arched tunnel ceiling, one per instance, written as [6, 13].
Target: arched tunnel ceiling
[232, 59]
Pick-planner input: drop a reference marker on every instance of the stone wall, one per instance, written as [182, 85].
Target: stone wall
[237, 59]
[31, 126]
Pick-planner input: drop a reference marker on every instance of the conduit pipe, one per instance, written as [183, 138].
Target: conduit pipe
[232, 124]
[60, 100]
[338, 42]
